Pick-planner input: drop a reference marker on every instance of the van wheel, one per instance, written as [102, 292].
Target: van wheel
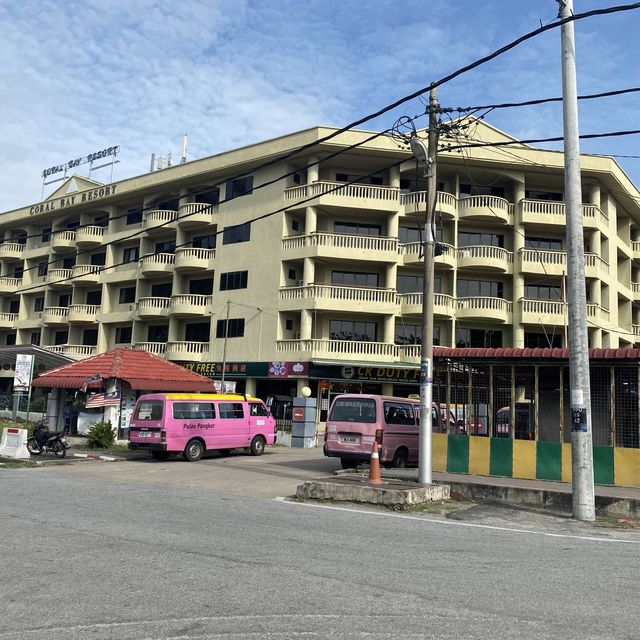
[193, 451]
[160, 455]
[257, 446]
[348, 463]
[400, 459]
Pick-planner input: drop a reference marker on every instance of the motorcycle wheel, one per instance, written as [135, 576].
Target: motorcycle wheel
[32, 447]
[59, 450]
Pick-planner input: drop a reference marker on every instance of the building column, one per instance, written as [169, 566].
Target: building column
[313, 170]
[306, 324]
[389, 329]
[394, 177]
[250, 387]
[518, 276]
[310, 220]
[308, 271]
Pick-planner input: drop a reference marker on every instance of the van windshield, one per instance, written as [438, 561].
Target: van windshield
[149, 410]
[353, 410]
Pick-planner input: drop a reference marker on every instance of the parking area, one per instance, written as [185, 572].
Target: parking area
[275, 473]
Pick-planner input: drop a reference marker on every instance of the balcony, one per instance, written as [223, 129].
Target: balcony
[76, 351]
[63, 241]
[158, 221]
[157, 348]
[339, 195]
[412, 254]
[636, 291]
[153, 307]
[347, 350]
[190, 351]
[10, 285]
[411, 304]
[189, 305]
[83, 313]
[635, 246]
[330, 297]
[485, 208]
[595, 266]
[11, 251]
[194, 259]
[485, 257]
[545, 212]
[89, 236]
[340, 246]
[55, 315]
[415, 203]
[157, 264]
[545, 263]
[7, 320]
[543, 312]
[86, 274]
[58, 278]
[484, 309]
[196, 214]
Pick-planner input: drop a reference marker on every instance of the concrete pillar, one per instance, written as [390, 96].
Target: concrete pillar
[306, 324]
[309, 271]
[394, 223]
[250, 386]
[389, 329]
[387, 389]
[394, 177]
[303, 423]
[313, 170]
[518, 277]
[311, 220]
[391, 276]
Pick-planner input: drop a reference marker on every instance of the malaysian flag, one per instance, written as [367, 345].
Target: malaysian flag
[111, 399]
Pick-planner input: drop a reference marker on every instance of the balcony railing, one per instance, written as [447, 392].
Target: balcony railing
[484, 256]
[153, 307]
[341, 241]
[485, 207]
[189, 304]
[184, 350]
[157, 263]
[11, 251]
[339, 293]
[195, 258]
[63, 240]
[160, 219]
[416, 201]
[484, 308]
[60, 277]
[9, 285]
[193, 214]
[83, 312]
[89, 235]
[157, 348]
[355, 192]
[7, 320]
[55, 315]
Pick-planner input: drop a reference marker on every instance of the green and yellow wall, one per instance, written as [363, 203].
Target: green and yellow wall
[530, 460]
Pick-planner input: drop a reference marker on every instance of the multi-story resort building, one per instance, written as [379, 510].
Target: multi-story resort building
[297, 280]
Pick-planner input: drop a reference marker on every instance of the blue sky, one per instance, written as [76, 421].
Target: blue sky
[82, 75]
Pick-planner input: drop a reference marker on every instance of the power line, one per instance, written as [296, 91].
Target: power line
[528, 103]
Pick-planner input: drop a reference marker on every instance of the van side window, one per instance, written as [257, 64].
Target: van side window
[194, 411]
[258, 409]
[230, 410]
[398, 413]
[149, 410]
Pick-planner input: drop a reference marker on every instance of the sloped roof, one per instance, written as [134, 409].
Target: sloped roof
[140, 369]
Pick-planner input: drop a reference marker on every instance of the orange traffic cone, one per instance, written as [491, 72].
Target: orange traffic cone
[374, 466]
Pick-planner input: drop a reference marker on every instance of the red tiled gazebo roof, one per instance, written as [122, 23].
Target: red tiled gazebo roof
[508, 352]
[140, 369]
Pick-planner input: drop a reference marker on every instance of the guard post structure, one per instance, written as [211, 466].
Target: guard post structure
[303, 423]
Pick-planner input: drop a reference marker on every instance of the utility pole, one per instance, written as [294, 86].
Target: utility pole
[427, 154]
[583, 499]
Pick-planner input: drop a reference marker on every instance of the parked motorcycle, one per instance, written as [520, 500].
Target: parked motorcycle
[42, 441]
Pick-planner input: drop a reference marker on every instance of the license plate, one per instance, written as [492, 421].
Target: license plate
[349, 440]
[145, 434]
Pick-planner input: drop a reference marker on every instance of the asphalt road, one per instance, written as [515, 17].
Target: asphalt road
[155, 550]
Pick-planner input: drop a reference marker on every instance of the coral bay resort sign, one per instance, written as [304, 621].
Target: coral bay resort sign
[70, 200]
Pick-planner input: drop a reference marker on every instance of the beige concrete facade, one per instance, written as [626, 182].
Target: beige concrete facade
[334, 274]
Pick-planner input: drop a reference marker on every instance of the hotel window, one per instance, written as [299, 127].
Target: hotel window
[542, 340]
[46, 235]
[127, 295]
[131, 254]
[533, 194]
[43, 268]
[64, 300]
[237, 233]
[60, 337]
[18, 271]
[35, 338]
[480, 289]
[38, 304]
[123, 335]
[94, 298]
[542, 292]
[90, 337]
[412, 334]
[468, 239]
[478, 338]
[357, 228]
[202, 287]
[197, 332]
[351, 177]
[481, 190]
[239, 187]
[69, 263]
[236, 328]
[10, 339]
[204, 242]
[209, 197]
[162, 290]
[165, 247]
[353, 330]
[158, 333]
[233, 280]
[415, 284]
[134, 216]
[544, 244]
[354, 279]
[14, 306]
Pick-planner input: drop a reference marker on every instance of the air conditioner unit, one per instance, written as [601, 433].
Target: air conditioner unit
[301, 283]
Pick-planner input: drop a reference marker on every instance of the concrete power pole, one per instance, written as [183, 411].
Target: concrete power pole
[428, 155]
[581, 426]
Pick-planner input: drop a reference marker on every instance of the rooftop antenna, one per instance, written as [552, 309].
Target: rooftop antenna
[184, 149]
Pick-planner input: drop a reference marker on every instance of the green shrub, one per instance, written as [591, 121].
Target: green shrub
[101, 435]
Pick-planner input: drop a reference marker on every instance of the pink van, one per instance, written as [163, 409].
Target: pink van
[353, 421]
[193, 423]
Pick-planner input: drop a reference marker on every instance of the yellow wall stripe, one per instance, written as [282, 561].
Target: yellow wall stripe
[626, 467]
[524, 459]
[479, 455]
[566, 462]
[439, 451]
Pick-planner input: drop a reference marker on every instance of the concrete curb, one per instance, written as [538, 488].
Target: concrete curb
[92, 456]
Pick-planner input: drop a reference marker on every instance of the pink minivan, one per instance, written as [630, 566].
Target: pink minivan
[354, 419]
[193, 423]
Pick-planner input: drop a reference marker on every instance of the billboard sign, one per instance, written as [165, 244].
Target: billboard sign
[24, 372]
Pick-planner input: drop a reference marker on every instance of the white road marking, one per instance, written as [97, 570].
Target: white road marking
[456, 523]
